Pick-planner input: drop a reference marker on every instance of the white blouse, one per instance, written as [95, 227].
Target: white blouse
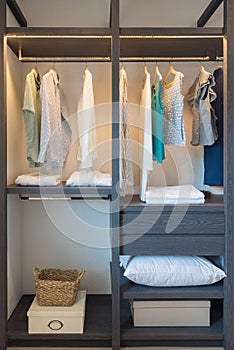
[55, 130]
[86, 123]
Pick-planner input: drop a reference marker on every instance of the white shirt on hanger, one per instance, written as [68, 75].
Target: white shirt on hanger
[145, 133]
[55, 130]
[126, 180]
[86, 123]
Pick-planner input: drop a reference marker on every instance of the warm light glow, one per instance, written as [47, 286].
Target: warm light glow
[196, 58]
[170, 36]
[58, 59]
[35, 36]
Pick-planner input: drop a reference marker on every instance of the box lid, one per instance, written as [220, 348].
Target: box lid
[78, 309]
[170, 303]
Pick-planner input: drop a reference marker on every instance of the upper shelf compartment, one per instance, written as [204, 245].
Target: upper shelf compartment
[94, 44]
[171, 43]
[30, 44]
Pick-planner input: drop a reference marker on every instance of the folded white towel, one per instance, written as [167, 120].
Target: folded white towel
[89, 178]
[174, 201]
[182, 194]
[36, 179]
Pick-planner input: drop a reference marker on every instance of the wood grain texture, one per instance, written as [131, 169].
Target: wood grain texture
[189, 223]
[172, 245]
[131, 290]
[3, 169]
[228, 175]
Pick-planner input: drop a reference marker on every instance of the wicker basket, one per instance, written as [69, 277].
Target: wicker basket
[55, 287]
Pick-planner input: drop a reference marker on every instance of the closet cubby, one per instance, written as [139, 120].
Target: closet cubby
[205, 230]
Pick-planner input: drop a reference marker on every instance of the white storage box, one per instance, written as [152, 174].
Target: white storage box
[178, 313]
[57, 319]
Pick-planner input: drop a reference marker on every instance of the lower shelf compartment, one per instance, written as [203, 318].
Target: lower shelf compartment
[97, 329]
[166, 336]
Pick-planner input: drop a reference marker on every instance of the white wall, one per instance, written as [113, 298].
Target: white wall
[136, 13]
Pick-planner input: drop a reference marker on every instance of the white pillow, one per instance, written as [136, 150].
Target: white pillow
[168, 271]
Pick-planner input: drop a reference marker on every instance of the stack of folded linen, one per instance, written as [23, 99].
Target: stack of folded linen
[35, 179]
[184, 194]
[89, 178]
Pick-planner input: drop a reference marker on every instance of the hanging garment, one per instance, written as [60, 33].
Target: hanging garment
[213, 155]
[125, 162]
[173, 103]
[157, 119]
[55, 130]
[145, 134]
[32, 116]
[200, 96]
[86, 123]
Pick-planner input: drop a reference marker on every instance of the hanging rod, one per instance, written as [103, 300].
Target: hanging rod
[61, 59]
[62, 199]
[167, 59]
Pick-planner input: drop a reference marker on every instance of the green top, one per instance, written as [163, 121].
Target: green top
[32, 117]
[157, 121]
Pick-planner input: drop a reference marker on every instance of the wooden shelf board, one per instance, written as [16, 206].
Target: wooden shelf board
[133, 204]
[131, 290]
[59, 190]
[97, 325]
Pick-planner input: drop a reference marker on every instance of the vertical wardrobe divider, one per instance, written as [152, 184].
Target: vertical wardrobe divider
[207, 236]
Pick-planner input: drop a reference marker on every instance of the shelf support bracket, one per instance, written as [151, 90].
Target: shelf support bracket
[15, 9]
[209, 11]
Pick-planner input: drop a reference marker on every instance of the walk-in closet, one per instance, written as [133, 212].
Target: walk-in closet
[99, 224]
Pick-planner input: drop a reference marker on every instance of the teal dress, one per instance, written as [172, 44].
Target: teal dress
[157, 121]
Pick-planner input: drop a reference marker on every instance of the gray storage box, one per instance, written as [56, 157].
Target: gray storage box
[178, 313]
[57, 319]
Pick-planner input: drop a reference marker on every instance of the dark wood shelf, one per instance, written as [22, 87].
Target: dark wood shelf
[170, 31]
[162, 42]
[131, 335]
[131, 290]
[133, 204]
[97, 329]
[50, 43]
[60, 190]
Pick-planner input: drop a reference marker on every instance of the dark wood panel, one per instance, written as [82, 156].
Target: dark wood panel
[172, 245]
[59, 31]
[183, 223]
[115, 203]
[97, 326]
[208, 12]
[131, 290]
[3, 170]
[133, 204]
[60, 47]
[59, 190]
[170, 31]
[228, 175]
[171, 47]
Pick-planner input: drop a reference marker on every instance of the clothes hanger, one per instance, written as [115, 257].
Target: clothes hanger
[145, 75]
[86, 66]
[53, 67]
[170, 71]
[157, 74]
